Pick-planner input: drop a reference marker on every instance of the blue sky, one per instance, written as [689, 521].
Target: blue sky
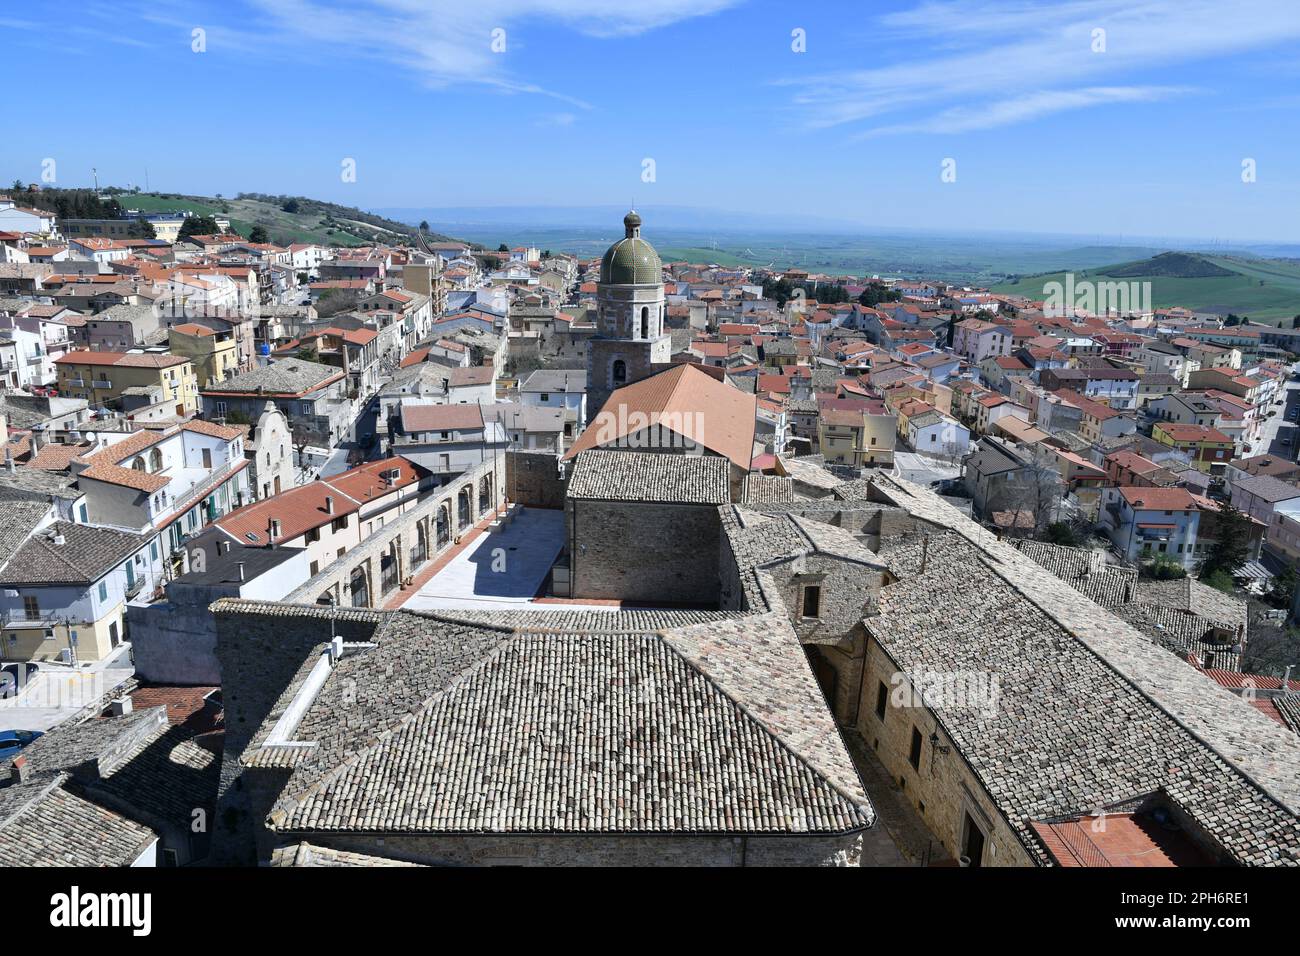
[1146, 137]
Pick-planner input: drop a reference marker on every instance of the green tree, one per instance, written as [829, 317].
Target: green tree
[1282, 587]
[258, 234]
[199, 226]
[1231, 544]
[290, 206]
[142, 228]
[503, 248]
[424, 225]
[1219, 580]
[1060, 532]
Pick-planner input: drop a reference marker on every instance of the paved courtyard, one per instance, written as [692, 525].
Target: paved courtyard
[499, 570]
[58, 692]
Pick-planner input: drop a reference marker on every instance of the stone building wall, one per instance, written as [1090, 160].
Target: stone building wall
[636, 551]
[944, 790]
[533, 479]
[400, 536]
[848, 592]
[259, 658]
[612, 850]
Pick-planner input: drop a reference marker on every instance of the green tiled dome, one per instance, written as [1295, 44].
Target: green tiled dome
[631, 260]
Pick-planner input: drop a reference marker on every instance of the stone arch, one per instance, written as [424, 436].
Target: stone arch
[464, 504]
[444, 525]
[420, 550]
[360, 587]
[484, 493]
[155, 460]
[618, 373]
[645, 321]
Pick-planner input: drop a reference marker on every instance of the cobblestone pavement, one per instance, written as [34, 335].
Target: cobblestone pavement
[899, 838]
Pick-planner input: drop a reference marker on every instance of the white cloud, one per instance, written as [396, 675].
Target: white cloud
[1019, 109]
[977, 64]
[450, 41]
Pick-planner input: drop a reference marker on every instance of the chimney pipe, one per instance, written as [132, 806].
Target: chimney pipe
[239, 565]
[20, 770]
[329, 504]
[273, 531]
[9, 460]
[1286, 679]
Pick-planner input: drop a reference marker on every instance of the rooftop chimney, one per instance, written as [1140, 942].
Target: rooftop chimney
[329, 504]
[274, 531]
[9, 460]
[239, 566]
[121, 706]
[20, 771]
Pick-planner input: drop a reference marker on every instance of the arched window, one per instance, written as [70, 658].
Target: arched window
[463, 506]
[138, 464]
[645, 322]
[619, 373]
[484, 493]
[360, 588]
[444, 526]
[155, 460]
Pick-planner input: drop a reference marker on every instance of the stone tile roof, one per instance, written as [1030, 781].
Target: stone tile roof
[86, 554]
[1091, 713]
[1085, 570]
[1189, 595]
[306, 854]
[21, 518]
[485, 730]
[650, 477]
[286, 377]
[560, 620]
[767, 488]
[42, 824]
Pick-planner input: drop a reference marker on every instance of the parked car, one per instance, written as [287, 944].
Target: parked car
[14, 678]
[12, 741]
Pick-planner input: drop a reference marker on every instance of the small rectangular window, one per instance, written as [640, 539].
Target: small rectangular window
[31, 606]
[914, 758]
[882, 700]
[812, 600]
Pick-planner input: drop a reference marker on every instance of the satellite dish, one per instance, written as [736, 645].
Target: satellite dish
[90, 437]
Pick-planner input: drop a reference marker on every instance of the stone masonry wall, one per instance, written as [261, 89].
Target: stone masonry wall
[533, 479]
[336, 577]
[943, 789]
[645, 552]
[258, 659]
[613, 850]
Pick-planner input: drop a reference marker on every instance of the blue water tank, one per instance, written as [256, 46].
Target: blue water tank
[265, 348]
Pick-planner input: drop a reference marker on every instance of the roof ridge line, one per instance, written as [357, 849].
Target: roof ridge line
[385, 735]
[664, 637]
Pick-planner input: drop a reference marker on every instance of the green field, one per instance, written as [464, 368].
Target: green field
[315, 221]
[1266, 290]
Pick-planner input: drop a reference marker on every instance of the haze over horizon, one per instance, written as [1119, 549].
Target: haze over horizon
[1051, 127]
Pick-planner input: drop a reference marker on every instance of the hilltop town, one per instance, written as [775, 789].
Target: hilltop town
[427, 553]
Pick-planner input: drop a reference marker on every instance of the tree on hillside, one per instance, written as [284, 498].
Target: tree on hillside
[1231, 544]
[1295, 323]
[142, 228]
[290, 206]
[258, 234]
[503, 248]
[1233, 319]
[424, 225]
[199, 226]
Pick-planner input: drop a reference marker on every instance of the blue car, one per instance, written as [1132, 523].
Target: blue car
[12, 741]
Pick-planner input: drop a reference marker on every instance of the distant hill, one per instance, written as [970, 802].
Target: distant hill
[1266, 290]
[310, 220]
[1172, 265]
